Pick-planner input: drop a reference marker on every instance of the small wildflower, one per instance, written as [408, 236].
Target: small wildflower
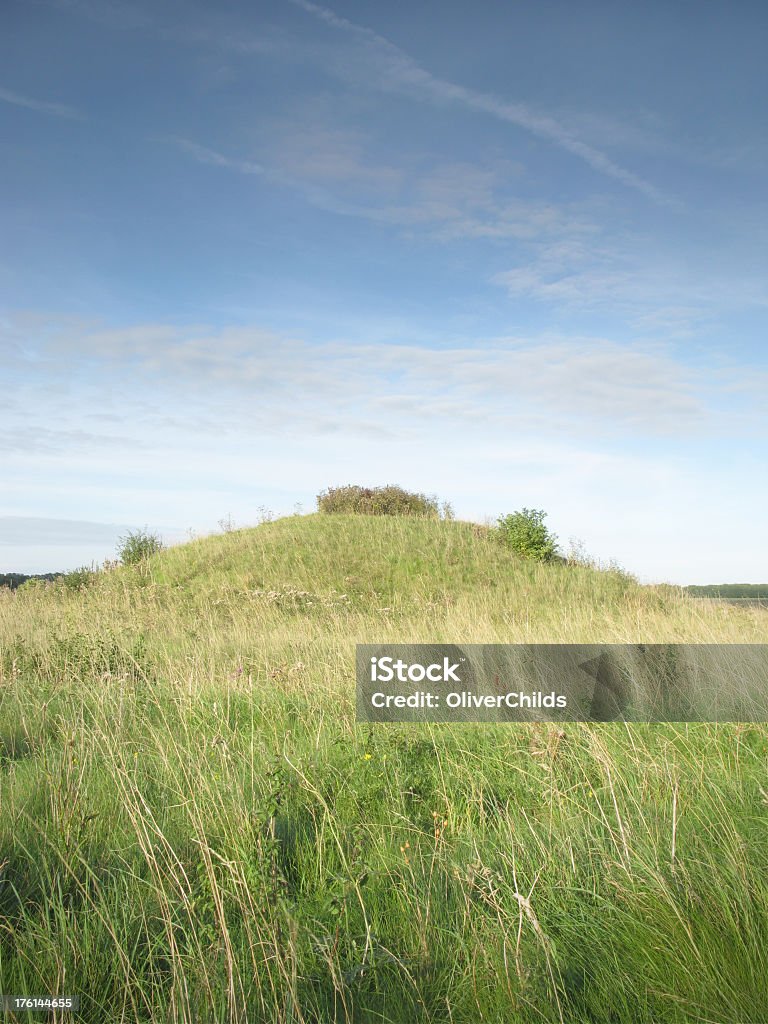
[367, 757]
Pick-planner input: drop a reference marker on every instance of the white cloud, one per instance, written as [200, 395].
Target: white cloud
[164, 381]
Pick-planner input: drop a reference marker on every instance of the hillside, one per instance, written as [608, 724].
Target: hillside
[372, 573]
[194, 828]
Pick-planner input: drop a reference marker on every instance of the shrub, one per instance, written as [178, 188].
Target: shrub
[525, 533]
[77, 579]
[377, 501]
[137, 546]
[32, 583]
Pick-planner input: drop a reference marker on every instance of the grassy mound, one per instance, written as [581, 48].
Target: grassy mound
[193, 827]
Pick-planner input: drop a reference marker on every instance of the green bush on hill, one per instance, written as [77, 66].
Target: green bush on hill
[378, 501]
[137, 546]
[76, 579]
[525, 533]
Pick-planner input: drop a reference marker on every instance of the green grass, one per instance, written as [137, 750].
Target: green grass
[193, 827]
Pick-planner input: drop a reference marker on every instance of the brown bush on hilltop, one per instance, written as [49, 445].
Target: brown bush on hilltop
[377, 501]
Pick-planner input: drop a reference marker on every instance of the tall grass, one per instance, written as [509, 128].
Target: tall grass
[193, 827]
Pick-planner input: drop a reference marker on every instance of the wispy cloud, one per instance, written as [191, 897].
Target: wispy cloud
[306, 151]
[624, 278]
[204, 155]
[650, 132]
[453, 200]
[42, 106]
[174, 378]
[46, 441]
[397, 71]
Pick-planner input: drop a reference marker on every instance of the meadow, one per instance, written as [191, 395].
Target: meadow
[193, 828]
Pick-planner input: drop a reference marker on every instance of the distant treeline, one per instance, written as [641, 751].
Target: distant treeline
[15, 579]
[730, 590]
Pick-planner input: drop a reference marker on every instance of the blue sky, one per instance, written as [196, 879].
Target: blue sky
[511, 254]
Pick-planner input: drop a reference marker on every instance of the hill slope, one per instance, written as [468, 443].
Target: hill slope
[194, 828]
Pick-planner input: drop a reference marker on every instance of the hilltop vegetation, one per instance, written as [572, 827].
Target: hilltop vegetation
[195, 829]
